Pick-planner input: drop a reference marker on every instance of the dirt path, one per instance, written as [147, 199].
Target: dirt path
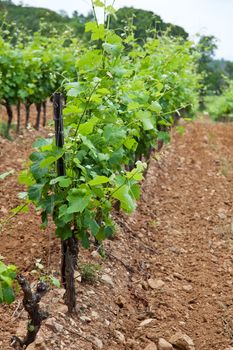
[180, 238]
[192, 195]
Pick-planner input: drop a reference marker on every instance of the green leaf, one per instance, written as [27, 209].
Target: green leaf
[30, 328]
[52, 157]
[135, 191]
[108, 231]
[64, 215]
[8, 294]
[6, 279]
[101, 235]
[137, 172]
[123, 195]
[55, 281]
[130, 143]
[134, 174]
[155, 107]
[97, 30]
[26, 178]
[99, 3]
[164, 136]
[87, 128]
[132, 106]
[83, 236]
[78, 201]
[94, 227]
[42, 142]
[64, 232]
[47, 161]
[146, 119]
[114, 134]
[89, 61]
[98, 180]
[103, 91]
[112, 49]
[3, 267]
[74, 89]
[104, 232]
[111, 10]
[35, 191]
[63, 181]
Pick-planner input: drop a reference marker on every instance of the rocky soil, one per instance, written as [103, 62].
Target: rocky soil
[167, 281]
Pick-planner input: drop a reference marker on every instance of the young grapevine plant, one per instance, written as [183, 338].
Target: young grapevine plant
[120, 106]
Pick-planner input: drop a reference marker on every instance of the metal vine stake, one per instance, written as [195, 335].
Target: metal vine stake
[69, 246]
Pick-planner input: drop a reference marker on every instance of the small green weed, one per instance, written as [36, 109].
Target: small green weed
[40, 274]
[89, 272]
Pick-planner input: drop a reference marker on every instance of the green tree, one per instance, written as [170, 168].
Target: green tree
[30, 19]
[214, 71]
[143, 23]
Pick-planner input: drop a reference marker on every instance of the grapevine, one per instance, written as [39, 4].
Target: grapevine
[121, 105]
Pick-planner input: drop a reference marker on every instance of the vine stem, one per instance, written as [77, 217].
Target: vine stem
[175, 110]
[86, 106]
[94, 12]
[124, 183]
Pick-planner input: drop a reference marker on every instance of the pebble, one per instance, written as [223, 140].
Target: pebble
[155, 283]
[178, 275]
[61, 309]
[221, 214]
[164, 345]
[78, 276]
[187, 287]
[94, 314]
[39, 340]
[120, 337]
[183, 341]
[107, 322]
[85, 319]
[53, 325]
[151, 346]
[90, 292]
[96, 255]
[152, 334]
[121, 302]
[107, 279]
[131, 343]
[60, 292]
[98, 343]
[146, 322]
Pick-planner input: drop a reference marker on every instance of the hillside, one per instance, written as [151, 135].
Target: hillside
[30, 18]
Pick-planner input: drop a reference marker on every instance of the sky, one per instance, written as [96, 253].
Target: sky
[208, 17]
